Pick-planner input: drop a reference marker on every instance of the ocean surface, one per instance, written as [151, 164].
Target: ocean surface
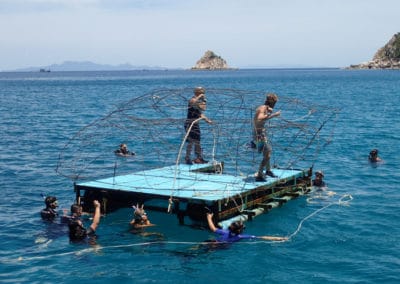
[356, 241]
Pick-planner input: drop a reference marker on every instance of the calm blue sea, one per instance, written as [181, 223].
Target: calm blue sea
[354, 242]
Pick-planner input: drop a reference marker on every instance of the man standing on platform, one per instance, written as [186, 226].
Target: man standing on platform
[196, 106]
[264, 113]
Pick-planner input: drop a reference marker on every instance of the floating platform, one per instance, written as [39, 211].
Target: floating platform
[190, 191]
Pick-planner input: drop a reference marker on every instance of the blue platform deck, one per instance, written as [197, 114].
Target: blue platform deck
[186, 182]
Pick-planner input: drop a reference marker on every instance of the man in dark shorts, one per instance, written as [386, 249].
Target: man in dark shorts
[196, 107]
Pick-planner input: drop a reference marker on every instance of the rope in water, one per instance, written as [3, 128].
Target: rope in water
[339, 202]
[343, 201]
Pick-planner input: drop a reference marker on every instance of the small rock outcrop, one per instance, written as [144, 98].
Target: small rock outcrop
[387, 57]
[211, 61]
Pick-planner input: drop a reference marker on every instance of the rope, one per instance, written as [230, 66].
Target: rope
[343, 201]
[296, 138]
[170, 202]
[339, 202]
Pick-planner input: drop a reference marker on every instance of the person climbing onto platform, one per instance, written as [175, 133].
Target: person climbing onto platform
[196, 106]
[263, 113]
[77, 232]
[318, 181]
[123, 151]
[234, 232]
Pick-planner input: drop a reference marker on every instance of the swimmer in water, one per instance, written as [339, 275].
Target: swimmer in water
[77, 232]
[234, 232]
[50, 213]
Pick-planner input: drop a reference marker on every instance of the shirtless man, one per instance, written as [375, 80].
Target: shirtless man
[264, 113]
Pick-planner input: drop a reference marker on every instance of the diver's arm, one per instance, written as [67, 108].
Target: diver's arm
[210, 222]
[194, 100]
[96, 217]
[206, 118]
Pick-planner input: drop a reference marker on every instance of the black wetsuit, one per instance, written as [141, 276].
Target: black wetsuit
[78, 232]
[124, 153]
[193, 114]
[48, 214]
[319, 184]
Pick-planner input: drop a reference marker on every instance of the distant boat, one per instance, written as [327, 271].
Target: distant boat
[44, 70]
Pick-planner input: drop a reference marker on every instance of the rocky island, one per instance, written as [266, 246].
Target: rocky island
[387, 57]
[211, 61]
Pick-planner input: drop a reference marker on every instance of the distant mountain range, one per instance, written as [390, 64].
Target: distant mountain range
[88, 66]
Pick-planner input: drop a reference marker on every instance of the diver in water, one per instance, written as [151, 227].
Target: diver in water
[234, 232]
[318, 181]
[373, 156]
[77, 232]
[123, 151]
[140, 219]
[49, 213]
[53, 229]
[75, 213]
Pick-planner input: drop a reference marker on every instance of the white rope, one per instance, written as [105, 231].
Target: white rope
[170, 202]
[98, 248]
[339, 202]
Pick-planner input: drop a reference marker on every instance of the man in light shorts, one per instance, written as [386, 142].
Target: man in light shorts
[263, 113]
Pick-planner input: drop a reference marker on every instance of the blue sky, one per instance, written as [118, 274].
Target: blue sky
[175, 34]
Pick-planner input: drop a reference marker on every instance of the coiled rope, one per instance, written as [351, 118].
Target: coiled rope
[343, 201]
